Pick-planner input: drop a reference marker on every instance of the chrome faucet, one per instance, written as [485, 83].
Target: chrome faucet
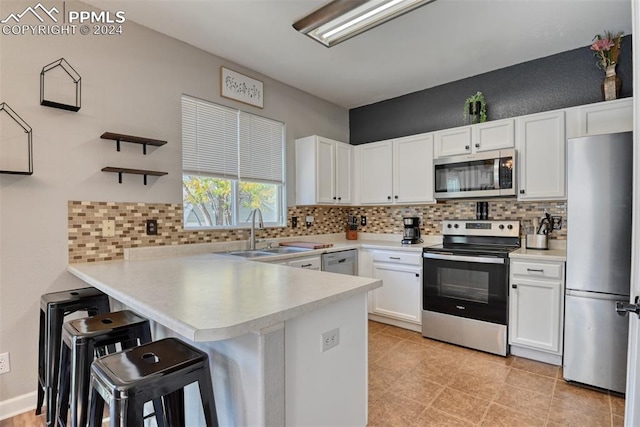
[252, 217]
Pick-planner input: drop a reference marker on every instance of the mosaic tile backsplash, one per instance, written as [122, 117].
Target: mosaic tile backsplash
[86, 243]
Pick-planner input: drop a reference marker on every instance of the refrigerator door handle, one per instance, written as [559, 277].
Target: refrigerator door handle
[596, 295]
[623, 308]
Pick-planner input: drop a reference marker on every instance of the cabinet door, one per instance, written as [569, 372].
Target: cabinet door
[343, 162]
[600, 118]
[376, 177]
[413, 169]
[535, 309]
[326, 171]
[493, 135]
[452, 142]
[541, 147]
[400, 296]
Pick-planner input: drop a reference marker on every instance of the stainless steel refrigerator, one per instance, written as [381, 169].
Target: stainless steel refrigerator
[599, 172]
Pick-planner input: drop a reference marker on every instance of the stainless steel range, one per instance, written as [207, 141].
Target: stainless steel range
[466, 284]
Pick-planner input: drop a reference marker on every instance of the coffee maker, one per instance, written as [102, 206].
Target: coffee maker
[411, 230]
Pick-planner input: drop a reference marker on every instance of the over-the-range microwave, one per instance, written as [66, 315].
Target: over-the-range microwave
[488, 174]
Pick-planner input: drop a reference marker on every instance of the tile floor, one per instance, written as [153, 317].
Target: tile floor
[414, 381]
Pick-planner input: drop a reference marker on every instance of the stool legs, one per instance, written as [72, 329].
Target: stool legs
[41, 364]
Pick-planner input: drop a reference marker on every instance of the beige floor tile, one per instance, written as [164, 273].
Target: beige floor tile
[477, 386]
[375, 327]
[438, 370]
[535, 367]
[461, 405]
[618, 421]
[424, 341]
[524, 401]
[392, 410]
[400, 332]
[405, 359]
[416, 387]
[582, 396]
[434, 418]
[482, 368]
[530, 381]
[381, 380]
[380, 344]
[499, 416]
[617, 405]
[481, 356]
[568, 413]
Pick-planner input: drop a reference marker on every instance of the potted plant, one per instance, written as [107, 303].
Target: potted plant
[476, 108]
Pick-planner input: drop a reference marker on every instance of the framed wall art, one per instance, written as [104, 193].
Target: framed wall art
[241, 88]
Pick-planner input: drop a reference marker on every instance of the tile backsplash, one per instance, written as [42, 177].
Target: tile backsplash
[86, 243]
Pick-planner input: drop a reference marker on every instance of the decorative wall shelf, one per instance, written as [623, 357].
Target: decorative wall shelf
[75, 77]
[142, 172]
[28, 153]
[133, 139]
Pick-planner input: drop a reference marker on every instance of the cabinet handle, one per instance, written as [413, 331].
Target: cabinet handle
[339, 198]
[334, 197]
[305, 265]
[514, 286]
[388, 197]
[417, 275]
[521, 191]
[466, 147]
[395, 257]
[395, 196]
[536, 270]
[477, 145]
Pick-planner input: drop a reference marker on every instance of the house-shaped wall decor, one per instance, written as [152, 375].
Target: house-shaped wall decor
[16, 151]
[64, 86]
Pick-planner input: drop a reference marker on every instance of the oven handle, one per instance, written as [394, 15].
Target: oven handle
[447, 257]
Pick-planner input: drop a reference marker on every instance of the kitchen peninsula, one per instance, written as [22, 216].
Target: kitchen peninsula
[262, 325]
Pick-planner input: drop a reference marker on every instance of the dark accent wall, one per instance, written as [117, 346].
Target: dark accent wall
[559, 81]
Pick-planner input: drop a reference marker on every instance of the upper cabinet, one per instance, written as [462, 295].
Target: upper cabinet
[476, 138]
[541, 147]
[600, 118]
[324, 171]
[398, 171]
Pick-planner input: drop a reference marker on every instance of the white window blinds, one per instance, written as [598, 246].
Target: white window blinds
[260, 149]
[228, 143]
[209, 139]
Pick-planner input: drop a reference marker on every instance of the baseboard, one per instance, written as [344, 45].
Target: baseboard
[540, 356]
[394, 322]
[17, 405]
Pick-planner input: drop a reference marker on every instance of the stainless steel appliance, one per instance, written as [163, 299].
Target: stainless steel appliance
[488, 174]
[466, 284]
[599, 171]
[411, 234]
[344, 262]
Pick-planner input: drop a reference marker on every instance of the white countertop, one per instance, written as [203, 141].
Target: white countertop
[209, 297]
[540, 254]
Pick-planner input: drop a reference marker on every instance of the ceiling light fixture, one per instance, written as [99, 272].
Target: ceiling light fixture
[343, 19]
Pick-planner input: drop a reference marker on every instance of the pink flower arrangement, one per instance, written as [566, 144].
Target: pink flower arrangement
[607, 48]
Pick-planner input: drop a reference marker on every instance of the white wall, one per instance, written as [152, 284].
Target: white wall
[131, 84]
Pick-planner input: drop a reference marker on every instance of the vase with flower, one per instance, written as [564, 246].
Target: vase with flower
[607, 51]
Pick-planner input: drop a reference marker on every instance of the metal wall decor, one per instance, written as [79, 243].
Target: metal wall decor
[16, 152]
[75, 77]
[239, 87]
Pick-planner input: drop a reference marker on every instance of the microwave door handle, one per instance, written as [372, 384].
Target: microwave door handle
[496, 174]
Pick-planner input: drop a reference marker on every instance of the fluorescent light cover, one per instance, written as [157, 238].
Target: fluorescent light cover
[340, 19]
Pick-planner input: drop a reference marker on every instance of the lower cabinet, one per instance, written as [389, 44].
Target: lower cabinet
[310, 263]
[536, 310]
[399, 300]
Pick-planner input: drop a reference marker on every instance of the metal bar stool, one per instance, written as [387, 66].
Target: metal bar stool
[82, 338]
[53, 307]
[128, 379]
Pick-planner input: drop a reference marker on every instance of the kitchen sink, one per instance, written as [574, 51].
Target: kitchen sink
[267, 252]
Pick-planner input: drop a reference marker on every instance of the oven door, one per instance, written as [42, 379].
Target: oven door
[470, 286]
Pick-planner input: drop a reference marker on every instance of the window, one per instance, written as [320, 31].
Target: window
[232, 163]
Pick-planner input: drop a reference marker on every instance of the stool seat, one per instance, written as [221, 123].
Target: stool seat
[81, 339]
[54, 307]
[129, 379]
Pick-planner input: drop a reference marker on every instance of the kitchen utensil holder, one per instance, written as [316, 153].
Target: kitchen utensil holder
[352, 234]
[537, 241]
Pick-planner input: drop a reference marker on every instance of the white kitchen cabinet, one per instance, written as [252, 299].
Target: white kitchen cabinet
[487, 136]
[541, 154]
[324, 172]
[309, 263]
[600, 118]
[536, 309]
[398, 171]
[399, 300]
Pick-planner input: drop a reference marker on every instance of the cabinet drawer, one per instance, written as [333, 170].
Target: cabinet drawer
[312, 263]
[398, 257]
[537, 269]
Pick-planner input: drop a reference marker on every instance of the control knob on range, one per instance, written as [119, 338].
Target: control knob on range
[501, 226]
[509, 226]
[448, 225]
[455, 226]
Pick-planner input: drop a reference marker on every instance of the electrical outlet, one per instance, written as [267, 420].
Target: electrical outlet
[294, 222]
[363, 220]
[330, 339]
[309, 220]
[556, 222]
[5, 366]
[108, 228]
[152, 227]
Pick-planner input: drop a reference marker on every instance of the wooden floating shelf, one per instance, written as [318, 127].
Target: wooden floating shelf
[132, 139]
[143, 172]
